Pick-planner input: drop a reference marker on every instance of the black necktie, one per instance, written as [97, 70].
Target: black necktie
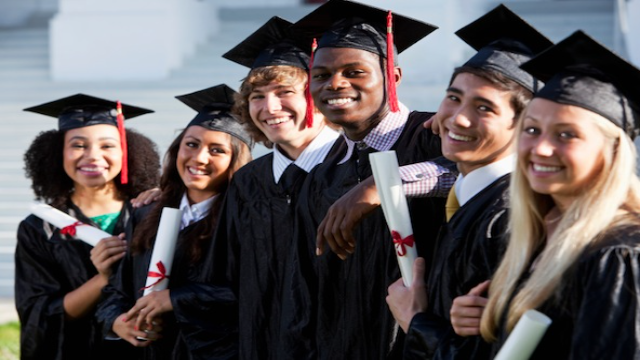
[291, 175]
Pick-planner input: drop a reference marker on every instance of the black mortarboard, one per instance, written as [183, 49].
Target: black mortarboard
[580, 71]
[213, 106]
[82, 110]
[348, 24]
[504, 41]
[272, 44]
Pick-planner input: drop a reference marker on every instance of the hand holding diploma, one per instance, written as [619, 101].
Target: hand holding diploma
[152, 305]
[386, 173]
[525, 336]
[69, 225]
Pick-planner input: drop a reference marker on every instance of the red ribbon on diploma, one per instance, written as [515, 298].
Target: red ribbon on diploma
[71, 229]
[401, 243]
[160, 275]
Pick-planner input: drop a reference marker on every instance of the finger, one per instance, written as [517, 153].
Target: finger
[346, 232]
[467, 331]
[469, 301]
[320, 241]
[141, 319]
[418, 272]
[427, 124]
[480, 289]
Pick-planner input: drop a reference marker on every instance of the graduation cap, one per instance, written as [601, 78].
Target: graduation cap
[348, 24]
[82, 110]
[213, 106]
[272, 44]
[275, 44]
[580, 71]
[504, 41]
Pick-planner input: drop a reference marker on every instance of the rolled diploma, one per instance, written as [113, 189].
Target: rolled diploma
[386, 173]
[163, 249]
[525, 336]
[85, 232]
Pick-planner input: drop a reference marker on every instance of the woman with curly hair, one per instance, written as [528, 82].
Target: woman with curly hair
[79, 170]
[192, 318]
[574, 250]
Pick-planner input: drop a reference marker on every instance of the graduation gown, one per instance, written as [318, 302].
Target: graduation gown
[48, 266]
[468, 252]
[202, 324]
[252, 242]
[341, 312]
[597, 312]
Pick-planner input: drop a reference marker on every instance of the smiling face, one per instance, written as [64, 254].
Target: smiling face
[560, 149]
[476, 122]
[203, 162]
[278, 110]
[92, 156]
[348, 88]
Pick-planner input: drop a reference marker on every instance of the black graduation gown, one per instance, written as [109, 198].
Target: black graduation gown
[252, 243]
[202, 324]
[468, 252]
[598, 313]
[48, 266]
[341, 312]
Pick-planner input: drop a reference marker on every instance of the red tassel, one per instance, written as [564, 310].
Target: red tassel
[124, 173]
[391, 77]
[307, 91]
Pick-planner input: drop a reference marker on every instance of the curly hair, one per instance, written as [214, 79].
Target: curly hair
[50, 183]
[262, 76]
[173, 188]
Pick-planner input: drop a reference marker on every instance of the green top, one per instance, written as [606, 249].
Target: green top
[106, 222]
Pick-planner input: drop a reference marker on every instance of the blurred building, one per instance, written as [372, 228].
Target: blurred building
[147, 51]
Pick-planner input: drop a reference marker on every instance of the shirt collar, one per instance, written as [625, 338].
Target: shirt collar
[383, 136]
[195, 212]
[311, 156]
[470, 185]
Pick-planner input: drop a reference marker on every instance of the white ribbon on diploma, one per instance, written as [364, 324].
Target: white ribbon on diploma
[386, 173]
[525, 336]
[69, 225]
[163, 250]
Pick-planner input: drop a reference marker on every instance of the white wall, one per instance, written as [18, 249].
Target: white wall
[121, 39]
[633, 35]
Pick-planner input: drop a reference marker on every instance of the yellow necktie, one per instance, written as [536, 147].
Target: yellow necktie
[452, 203]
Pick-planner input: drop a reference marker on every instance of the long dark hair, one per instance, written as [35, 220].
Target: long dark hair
[50, 183]
[173, 188]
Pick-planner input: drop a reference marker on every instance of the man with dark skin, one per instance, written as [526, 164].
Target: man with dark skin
[348, 316]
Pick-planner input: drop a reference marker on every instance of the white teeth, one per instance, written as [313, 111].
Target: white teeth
[196, 171]
[339, 101]
[276, 121]
[542, 168]
[459, 137]
[89, 168]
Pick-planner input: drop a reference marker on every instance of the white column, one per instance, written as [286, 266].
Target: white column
[126, 40]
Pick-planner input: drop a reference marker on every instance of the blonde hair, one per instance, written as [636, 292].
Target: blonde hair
[595, 211]
[262, 76]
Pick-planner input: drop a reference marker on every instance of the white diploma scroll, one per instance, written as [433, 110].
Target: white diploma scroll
[69, 225]
[525, 336]
[163, 250]
[386, 173]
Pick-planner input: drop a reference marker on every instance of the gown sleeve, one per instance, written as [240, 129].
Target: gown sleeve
[606, 323]
[116, 297]
[39, 293]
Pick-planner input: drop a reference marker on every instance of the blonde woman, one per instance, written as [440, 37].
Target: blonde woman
[574, 252]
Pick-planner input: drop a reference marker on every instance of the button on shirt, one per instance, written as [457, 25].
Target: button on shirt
[195, 212]
[312, 155]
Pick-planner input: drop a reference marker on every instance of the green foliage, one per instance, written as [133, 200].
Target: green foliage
[10, 341]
